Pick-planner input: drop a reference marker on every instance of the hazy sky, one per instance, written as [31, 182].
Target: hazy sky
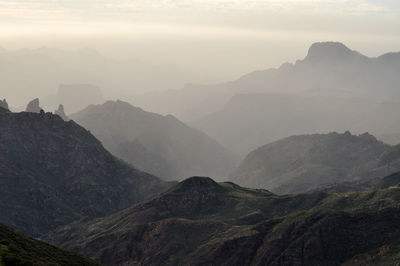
[223, 38]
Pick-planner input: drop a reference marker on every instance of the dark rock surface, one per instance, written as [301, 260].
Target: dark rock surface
[53, 172]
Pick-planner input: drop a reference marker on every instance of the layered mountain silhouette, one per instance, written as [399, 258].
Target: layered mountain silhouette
[332, 89]
[161, 145]
[53, 172]
[200, 222]
[301, 163]
[327, 66]
[17, 249]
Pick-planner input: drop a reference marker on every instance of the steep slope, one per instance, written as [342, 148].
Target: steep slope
[172, 149]
[200, 222]
[53, 172]
[301, 163]
[17, 249]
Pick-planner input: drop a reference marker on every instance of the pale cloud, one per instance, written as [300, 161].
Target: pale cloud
[237, 15]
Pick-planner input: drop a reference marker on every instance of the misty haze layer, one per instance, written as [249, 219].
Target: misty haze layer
[160, 145]
[332, 89]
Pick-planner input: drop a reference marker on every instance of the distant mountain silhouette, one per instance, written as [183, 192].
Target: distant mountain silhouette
[161, 145]
[302, 163]
[42, 70]
[249, 121]
[201, 222]
[75, 97]
[331, 52]
[53, 172]
[327, 66]
[332, 88]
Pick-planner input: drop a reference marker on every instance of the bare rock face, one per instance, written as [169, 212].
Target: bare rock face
[33, 106]
[4, 104]
[61, 113]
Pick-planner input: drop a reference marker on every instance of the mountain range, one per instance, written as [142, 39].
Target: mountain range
[327, 66]
[333, 88]
[301, 163]
[201, 222]
[160, 145]
[100, 182]
[53, 172]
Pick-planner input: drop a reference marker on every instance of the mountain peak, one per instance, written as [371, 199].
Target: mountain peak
[333, 51]
[197, 183]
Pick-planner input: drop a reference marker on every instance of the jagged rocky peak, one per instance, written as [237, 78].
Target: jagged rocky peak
[33, 106]
[61, 112]
[334, 51]
[4, 104]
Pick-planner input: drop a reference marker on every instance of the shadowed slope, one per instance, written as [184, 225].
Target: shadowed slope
[201, 222]
[53, 172]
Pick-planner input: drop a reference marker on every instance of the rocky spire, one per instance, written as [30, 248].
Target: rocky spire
[33, 106]
[61, 113]
[4, 104]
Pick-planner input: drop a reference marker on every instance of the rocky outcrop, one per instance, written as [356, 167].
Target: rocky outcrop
[61, 113]
[4, 104]
[33, 106]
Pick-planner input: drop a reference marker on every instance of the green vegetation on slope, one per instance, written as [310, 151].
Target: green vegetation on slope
[17, 249]
[201, 222]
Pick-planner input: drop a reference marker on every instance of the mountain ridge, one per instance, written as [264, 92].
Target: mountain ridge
[303, 162]
[244, 227]
[179, 150]
[54, 172]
